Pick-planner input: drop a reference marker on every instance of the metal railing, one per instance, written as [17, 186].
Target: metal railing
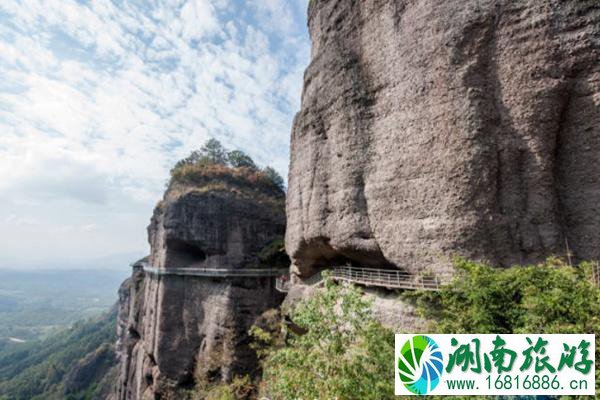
[373, 277]
[385, 278]
[214, 272]
[363, 276]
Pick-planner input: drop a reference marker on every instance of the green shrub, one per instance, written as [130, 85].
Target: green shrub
[549, 298]
[213, 162]
[273, 255]
[240, 388]
[344, 355]
[238, 159]
[274, 177]
[207, 174]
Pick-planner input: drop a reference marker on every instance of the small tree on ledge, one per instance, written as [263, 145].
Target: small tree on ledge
[239, 159]
[214, 152]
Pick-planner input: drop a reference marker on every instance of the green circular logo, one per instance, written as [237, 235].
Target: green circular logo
[420, 364]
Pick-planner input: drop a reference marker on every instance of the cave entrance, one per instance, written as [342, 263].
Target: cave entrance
[182, 254]
[353, 258]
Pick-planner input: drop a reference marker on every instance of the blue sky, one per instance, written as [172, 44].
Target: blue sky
[99, 98]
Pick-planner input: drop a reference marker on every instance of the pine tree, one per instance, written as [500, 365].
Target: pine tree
[238, 159]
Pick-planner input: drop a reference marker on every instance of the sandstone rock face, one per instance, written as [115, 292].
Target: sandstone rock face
[435, 128]
[175, 330]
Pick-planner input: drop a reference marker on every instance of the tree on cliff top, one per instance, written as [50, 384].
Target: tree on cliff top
[214, 161]
[274, 176]
[214, 152]
[239, 159]
[211, 153]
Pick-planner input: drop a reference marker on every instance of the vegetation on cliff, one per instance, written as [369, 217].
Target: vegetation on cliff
[215, 163]
[345, 353]
[552, 297]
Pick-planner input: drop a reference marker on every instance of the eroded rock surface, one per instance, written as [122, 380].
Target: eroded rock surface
[178, 330]
[434, 128]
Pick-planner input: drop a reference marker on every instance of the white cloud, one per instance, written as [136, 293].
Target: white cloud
[198, 19]
[97, 101]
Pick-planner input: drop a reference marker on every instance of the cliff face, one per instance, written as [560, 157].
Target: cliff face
[433, 128]
[176, 330]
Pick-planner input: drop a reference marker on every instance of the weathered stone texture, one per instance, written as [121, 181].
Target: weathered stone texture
[435, 128]
[175, 330]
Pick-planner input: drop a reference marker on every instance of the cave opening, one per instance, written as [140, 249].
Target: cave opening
[183, 254]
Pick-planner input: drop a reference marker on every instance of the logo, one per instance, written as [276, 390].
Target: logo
[420, 364]
[494, 364]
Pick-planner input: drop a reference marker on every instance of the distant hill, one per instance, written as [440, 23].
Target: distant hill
[75, 364]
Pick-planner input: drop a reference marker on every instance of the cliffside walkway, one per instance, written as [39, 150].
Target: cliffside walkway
[390, 279]
[386, 278]
[212, 272]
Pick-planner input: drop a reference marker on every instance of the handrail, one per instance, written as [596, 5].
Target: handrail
[392, 279]
[214, 272]
[385, 278]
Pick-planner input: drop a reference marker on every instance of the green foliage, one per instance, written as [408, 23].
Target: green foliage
[548, 298]
[214, 152]
[274, 177]
[214, 162]
[344, 355]
[37, 370]
[211, 153]
[239, 159]
[239, 388]
[194, 158]
[273, 255]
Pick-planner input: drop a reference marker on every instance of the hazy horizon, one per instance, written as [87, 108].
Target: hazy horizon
[98, 101]
[112, 262]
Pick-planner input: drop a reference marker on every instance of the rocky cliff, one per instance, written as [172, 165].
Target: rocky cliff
[434, 128]
[177, 330]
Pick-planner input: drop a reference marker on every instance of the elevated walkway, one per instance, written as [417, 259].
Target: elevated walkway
[212, 272]
[390, 279]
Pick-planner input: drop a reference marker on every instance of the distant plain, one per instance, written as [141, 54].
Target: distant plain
[35, 304]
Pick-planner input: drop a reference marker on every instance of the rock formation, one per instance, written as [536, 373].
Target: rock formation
[178, 330]
[435, 128]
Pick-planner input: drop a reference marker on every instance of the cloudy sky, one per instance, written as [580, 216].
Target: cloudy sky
[98, 98]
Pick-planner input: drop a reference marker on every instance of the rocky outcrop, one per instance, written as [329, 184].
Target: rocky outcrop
[178, 330]
[430, 129]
